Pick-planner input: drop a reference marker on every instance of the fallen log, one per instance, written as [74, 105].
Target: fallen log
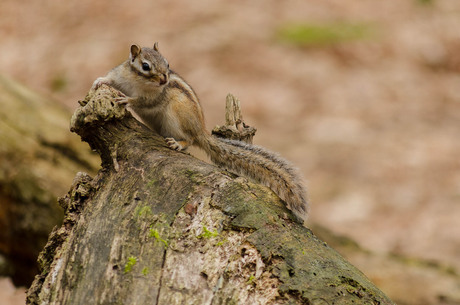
[156, 226]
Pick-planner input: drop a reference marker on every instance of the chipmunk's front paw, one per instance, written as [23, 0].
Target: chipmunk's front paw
[123, 99]
[99, 82]
[173, 144]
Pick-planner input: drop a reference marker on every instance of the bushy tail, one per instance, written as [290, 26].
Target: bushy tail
[261, 165]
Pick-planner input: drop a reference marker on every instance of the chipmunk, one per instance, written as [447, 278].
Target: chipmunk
[167, 104]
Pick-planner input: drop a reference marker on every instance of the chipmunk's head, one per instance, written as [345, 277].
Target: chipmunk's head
[149, 64]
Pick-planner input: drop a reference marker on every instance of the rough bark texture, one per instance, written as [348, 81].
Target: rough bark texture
[38, 160]
[160, 227]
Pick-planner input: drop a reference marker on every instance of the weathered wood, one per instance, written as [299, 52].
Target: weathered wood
[38, 160]
[234, 128]
[156, 226]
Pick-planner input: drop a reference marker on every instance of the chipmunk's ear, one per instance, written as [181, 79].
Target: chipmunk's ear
[135, 51]
[155, 47]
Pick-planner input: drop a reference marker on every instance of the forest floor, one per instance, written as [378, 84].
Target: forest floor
[363, 96]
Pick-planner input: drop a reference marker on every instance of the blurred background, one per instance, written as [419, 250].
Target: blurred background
[363, 96]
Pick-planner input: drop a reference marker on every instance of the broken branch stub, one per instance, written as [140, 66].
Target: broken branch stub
[234, 128]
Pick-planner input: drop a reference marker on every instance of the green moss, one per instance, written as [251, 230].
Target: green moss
[306, 267]
[222, 242]
[145, 271]
[143, 211]
[155, 234]
[208, 234]
[152, 182]
[305, 34]
[194, 176]
[130, 264]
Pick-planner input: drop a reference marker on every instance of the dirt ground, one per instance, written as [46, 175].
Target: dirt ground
[372, 122]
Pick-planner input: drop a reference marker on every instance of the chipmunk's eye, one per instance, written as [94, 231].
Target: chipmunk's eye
[145, 66]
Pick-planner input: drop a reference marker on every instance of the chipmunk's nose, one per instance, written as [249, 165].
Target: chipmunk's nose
[163, 79]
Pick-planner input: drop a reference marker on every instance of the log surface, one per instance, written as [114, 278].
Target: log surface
[156, 226]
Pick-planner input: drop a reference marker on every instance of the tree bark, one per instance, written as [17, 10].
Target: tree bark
[156, 226]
